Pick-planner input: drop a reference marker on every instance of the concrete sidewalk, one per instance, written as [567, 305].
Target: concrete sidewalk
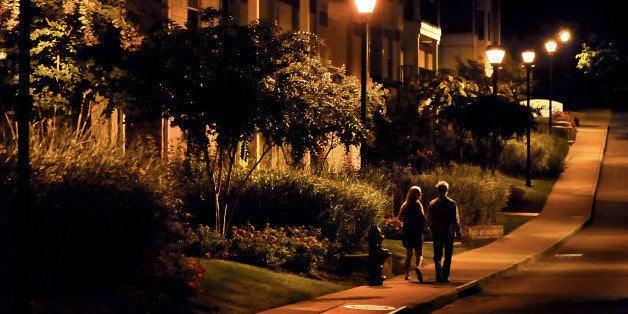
[567, 210]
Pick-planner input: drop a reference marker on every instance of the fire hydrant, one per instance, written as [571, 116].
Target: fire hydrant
[377, 256]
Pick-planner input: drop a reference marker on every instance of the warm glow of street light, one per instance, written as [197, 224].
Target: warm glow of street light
[528, 56]
[495, 54]
[3, 54]
[551, 46]
[365, 6]
[564, 35]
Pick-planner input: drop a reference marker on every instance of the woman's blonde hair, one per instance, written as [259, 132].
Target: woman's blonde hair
[413, 195]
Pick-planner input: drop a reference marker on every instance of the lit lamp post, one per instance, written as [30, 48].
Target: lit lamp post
[528, 60]
[495, 55]
[365, 9]
[564, 35]
[550, 47]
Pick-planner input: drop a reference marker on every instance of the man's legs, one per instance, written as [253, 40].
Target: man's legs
[449, 251]
[438, 255]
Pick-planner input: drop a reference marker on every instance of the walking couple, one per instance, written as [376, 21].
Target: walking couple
[442, 220]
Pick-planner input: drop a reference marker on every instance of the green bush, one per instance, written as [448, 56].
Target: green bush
[205, 240]
[344, 207]
[297, 249]
[102, 222]
[392, 228]
[547, 156]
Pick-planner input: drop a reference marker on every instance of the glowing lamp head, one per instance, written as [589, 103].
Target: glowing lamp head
[528, 57]
[550, 46]
[564, 35]
[495, 54]
[365, 6]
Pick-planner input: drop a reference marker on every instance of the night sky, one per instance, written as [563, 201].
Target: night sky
[528, 24]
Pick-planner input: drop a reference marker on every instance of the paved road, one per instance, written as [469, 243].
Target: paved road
[589, 274]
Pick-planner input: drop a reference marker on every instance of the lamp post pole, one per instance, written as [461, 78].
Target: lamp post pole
[550, 47]
[495, 55]
[551, 90]
[365, 64]
[528, 59]
[365, 9]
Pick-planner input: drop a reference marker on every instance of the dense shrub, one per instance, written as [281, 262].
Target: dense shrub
[343, 207]
[102, 223]
[293, 248]
[297, 249]
[479, 194]
[547, 156]
[205, 241]
[392, 228]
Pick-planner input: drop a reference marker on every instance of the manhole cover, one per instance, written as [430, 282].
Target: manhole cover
[369, 307]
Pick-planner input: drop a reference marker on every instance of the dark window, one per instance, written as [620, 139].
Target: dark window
[489, 35]
[193, 20]
[322, 15]
[457, 16]
[408, 10]
[479, 25]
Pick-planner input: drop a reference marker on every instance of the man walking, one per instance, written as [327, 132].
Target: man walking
[444, 221]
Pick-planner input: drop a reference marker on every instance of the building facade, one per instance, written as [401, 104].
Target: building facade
[469, 27]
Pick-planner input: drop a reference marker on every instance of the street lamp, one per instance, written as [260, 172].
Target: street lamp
[528, 60]
[495, 55]
[365, 9]
[564, 35]
[550, 47]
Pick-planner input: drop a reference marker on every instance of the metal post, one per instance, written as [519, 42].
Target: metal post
[528, 162]
[365, 63]
[494, 122]
[551, 92]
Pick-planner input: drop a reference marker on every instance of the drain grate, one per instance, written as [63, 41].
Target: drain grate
[369, 307]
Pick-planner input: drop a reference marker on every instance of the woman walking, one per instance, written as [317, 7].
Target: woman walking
[414, 224]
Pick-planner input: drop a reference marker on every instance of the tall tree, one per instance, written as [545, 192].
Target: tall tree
[605, 62]
[77, 53]
[225, 83]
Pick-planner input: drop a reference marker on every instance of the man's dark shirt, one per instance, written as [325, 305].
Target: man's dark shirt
[441, 213]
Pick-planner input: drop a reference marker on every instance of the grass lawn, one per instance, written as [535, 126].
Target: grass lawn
[534, 197]
[239, 288]
[232, 287]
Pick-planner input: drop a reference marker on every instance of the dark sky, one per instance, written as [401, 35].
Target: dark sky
[530, 22]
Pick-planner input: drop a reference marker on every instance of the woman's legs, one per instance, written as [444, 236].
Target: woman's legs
[419, 259]
[408, 261]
